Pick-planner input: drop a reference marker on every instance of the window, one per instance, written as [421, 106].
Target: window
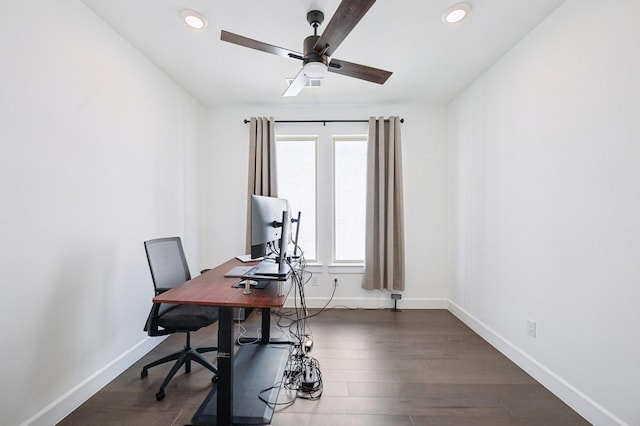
[296, 162]
[349, 194]
[324, 177]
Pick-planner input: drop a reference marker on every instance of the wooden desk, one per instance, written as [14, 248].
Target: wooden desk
[214, 289]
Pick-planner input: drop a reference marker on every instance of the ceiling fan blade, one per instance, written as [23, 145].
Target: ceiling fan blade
[362, 72]
[296, 85]
[345, 18]
[258, 45]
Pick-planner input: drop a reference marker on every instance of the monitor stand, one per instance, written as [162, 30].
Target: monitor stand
[271, 269]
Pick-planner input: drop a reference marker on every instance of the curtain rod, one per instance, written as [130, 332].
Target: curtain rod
[324, 122]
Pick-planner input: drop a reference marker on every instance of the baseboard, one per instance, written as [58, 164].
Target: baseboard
[370, 303]
[75, 397]
[582, 404]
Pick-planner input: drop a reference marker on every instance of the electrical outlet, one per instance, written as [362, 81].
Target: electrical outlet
[531, 328]
[314, 281]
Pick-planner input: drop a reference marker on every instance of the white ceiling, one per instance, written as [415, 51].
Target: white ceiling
[431, 62]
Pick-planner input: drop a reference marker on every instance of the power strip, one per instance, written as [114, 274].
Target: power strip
[310, 379]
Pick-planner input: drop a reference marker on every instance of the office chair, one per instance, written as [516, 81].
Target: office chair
[169, 269]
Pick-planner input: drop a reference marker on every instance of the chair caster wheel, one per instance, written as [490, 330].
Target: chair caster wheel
[160, 395]
[144, 374]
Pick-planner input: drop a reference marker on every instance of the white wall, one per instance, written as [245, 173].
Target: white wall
[98, 152]
[548, 206]
[427, 197]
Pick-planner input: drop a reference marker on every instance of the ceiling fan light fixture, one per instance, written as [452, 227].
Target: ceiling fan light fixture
[315, 69]
[193, 19]
[456, 13]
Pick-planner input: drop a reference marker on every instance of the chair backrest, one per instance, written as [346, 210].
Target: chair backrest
[168, 266]
[167, 263]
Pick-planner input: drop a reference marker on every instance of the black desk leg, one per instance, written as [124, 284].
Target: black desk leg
[266, 331]
[266, 325]
[225, 366]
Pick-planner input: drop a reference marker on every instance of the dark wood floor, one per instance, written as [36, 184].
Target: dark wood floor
[379, 367]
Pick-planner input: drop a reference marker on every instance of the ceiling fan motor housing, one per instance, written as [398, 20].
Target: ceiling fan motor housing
[310, 55]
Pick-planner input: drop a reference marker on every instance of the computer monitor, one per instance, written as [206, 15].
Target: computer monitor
[269, 226]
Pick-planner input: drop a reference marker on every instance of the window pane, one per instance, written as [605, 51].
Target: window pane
[296, 162]
[350, 198]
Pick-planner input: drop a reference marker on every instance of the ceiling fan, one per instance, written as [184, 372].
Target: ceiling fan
[318, 49]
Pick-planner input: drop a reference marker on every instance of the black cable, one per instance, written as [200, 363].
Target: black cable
[302, 374]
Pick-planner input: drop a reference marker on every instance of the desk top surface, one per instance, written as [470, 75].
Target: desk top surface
[214, 289]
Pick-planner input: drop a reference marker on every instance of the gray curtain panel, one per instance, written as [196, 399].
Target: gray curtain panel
[384, 245]
[262, 164]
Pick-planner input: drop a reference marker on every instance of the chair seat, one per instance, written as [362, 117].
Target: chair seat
[188, 317]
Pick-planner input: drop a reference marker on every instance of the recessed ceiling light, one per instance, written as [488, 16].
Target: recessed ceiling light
[456, 13]
[194, 19]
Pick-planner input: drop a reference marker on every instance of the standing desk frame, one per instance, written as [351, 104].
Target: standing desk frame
[214, 289]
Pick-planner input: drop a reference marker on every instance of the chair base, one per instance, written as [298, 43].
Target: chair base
[184, 357]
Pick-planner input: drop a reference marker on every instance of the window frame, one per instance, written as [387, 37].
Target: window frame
[324, 187]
